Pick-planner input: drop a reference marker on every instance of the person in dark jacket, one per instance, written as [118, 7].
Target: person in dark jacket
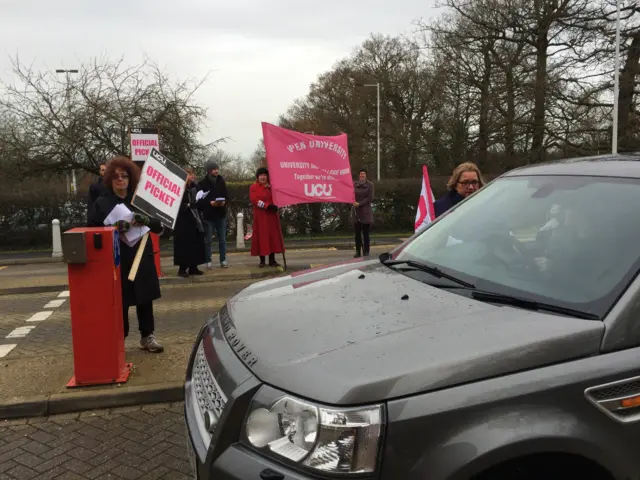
[363, 213]
[214, 211]
[120, 181]
[465, 180]
[188, 235]
[96, 189]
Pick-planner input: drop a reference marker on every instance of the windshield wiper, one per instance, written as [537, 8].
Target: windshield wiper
[435, 271]
[531, 304]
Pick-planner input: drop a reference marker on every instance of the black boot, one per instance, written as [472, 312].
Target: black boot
[262, 262]
[182, 272]
[195, 271]
[272, 260]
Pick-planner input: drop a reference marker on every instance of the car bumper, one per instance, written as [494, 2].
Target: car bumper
[239, 463]
[215, 371]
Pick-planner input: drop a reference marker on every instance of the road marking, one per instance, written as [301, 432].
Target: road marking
[55, 303]
[64, 294]
[3, 267]
[21, 332]
[40, 316]
[316, 265]
[5, 349]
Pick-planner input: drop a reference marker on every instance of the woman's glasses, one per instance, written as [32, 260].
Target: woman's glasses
[121, 176]
[467, 183]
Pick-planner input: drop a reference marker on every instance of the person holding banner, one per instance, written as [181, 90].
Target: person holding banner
[465, 180]
[188, 235]
[120, 181]
[363, 211]
[267, 232]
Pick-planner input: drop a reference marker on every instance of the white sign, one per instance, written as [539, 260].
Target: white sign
[161, 188]
[142, 141]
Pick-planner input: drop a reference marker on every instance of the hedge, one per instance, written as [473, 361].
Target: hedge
[26, 214]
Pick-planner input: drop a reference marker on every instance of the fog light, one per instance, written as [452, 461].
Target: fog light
[210, 421]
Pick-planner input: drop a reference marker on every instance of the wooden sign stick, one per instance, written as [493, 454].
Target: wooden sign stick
[136, 261]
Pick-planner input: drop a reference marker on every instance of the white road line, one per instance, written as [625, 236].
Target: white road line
[5, 349]
[40, 316]
[21, 332]
[55, 303]
[64, 294]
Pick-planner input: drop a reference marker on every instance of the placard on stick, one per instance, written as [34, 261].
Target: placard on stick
[142, 140]
[161, 187]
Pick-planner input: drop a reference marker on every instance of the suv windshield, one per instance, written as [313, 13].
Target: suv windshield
[569, 241]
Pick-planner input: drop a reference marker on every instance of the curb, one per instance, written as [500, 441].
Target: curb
[163, 281]
[167, 253]
[59, 403]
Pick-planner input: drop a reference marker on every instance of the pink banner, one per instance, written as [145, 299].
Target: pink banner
[307, 168]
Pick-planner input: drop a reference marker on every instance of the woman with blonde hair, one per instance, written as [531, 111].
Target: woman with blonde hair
[465, 180]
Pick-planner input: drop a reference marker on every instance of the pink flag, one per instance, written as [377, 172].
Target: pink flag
[425, 214]
[307, 168]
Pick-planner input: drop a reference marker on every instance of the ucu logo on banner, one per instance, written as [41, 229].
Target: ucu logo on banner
[318, 190]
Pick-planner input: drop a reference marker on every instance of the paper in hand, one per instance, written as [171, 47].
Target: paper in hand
[132, 236]
[201, 194]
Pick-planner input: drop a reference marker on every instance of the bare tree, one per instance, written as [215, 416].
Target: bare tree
[258, 158]
[232, 166]
[59, 123]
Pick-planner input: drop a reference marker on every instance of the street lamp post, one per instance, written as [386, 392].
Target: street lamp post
[616, 88]
[377, 85]
[73, 170]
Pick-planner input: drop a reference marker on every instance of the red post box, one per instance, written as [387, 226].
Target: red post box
[95, 297]
[155, 240]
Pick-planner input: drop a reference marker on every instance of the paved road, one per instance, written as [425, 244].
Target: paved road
[46, 275]
[166, 247]
[130, 443]
[45, 351]
[41, 347]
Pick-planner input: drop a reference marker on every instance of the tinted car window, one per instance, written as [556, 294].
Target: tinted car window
[571, 241]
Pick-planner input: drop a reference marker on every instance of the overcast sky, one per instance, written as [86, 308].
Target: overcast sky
[262, 54]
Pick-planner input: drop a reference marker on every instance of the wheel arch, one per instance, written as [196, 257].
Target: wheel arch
[579, 450]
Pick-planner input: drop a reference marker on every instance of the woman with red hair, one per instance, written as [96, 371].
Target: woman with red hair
[120, 181]
[267, 233]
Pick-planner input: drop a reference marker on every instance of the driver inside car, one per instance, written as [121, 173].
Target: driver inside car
[557, 243]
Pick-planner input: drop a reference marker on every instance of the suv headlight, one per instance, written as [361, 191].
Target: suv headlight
[332, 440]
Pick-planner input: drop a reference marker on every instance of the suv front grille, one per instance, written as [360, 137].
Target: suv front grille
[207, 398]
[208, 393]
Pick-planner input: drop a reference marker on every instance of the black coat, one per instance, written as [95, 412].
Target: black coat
[96, 190]
[217, 189]
[450, 200]
[146, 286]
[188, 235]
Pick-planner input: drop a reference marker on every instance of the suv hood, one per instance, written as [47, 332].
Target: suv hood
[348, 334]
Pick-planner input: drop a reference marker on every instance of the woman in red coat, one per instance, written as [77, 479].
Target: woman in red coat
[267, 233]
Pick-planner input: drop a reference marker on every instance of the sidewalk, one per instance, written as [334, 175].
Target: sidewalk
[166, 250]
[37, 368]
